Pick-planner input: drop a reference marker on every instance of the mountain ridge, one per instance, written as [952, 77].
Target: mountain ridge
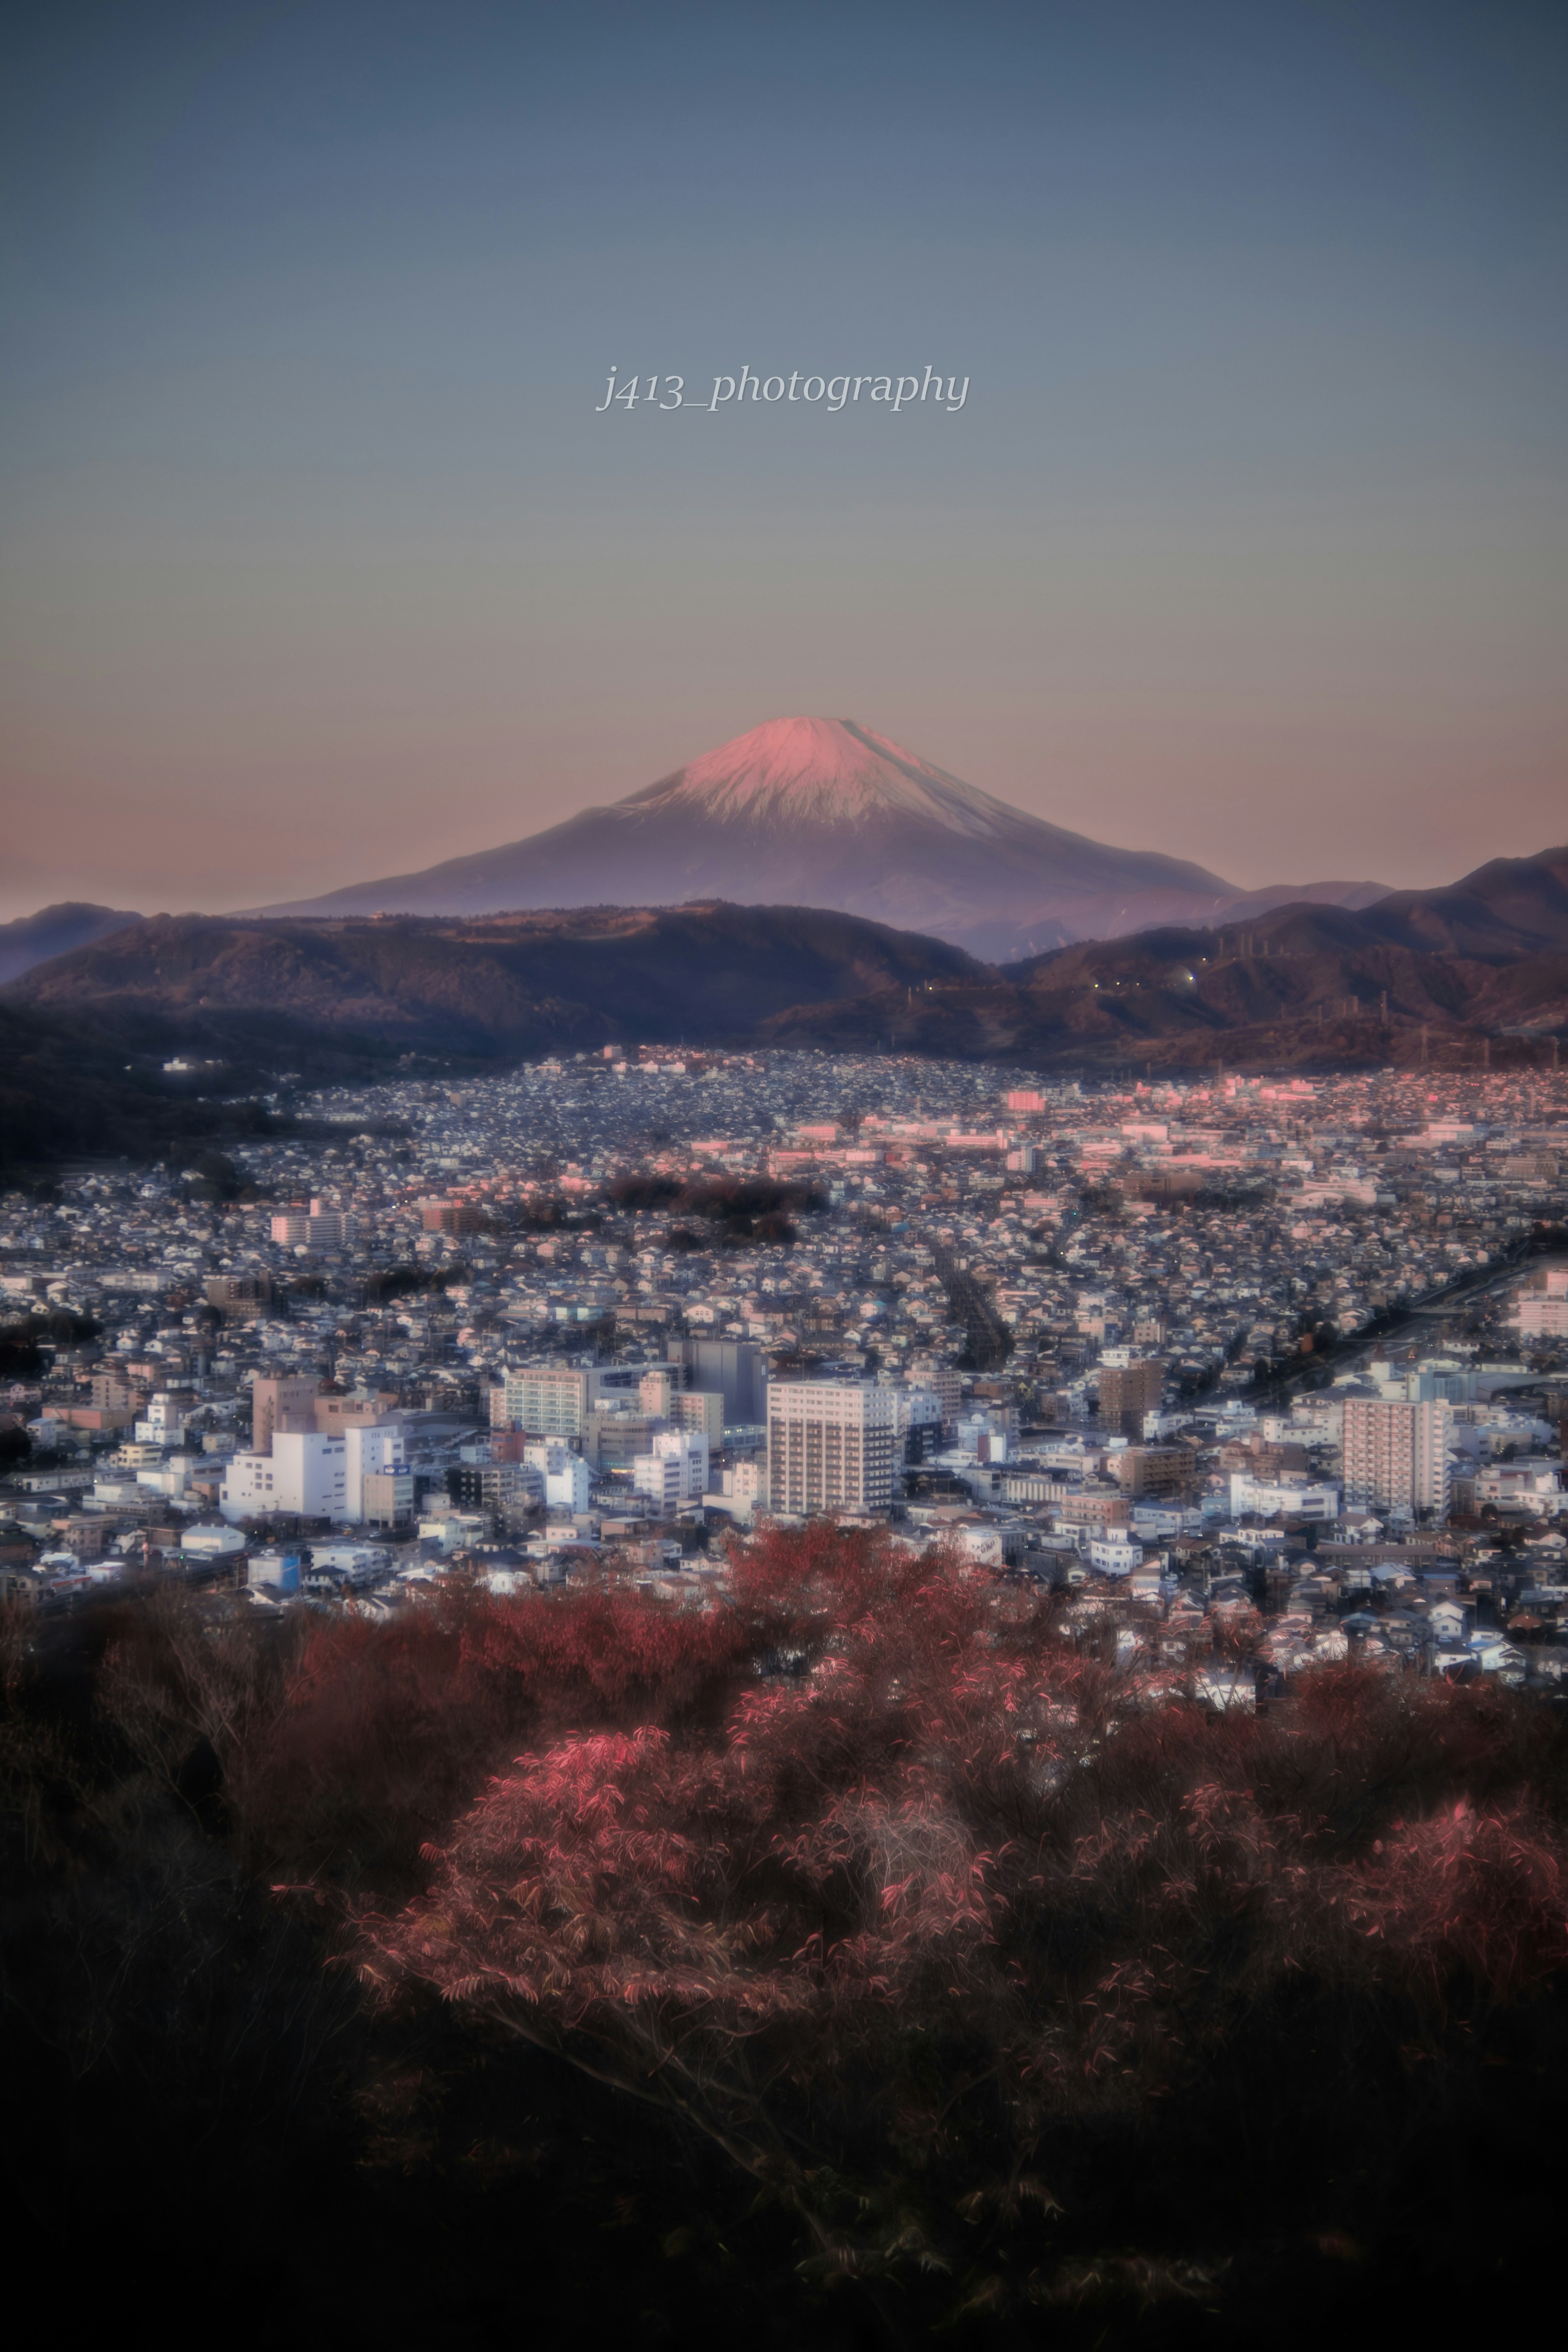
[1489, 951]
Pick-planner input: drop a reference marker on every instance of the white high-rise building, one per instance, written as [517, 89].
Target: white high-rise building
[831, 1445]
[676, 1472]
[1396, 1454]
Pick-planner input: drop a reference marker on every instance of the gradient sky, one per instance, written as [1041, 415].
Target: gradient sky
[316, 565]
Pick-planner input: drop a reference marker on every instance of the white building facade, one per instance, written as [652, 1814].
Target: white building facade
[676, 1471]
[305, 1475]
[568, 1480]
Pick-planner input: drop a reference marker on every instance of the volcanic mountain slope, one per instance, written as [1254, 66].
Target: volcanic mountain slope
[822, 812]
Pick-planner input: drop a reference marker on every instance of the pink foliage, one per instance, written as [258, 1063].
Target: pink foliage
[952, 1850]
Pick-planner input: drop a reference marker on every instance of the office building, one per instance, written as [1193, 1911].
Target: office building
[568, 1479]
[304, 1475]
[504, 1491]
[376, 1450]
[734, 1370]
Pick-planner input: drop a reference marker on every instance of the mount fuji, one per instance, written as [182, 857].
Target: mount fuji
[823, 813]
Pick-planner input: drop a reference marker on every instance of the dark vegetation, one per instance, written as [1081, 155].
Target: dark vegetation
[750, 1212]
[92, 1085]
[405, 1281]
[24, 1338]
[500, 984]
[860, 1963]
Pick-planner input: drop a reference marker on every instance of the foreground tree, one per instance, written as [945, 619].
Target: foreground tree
[934, 1911]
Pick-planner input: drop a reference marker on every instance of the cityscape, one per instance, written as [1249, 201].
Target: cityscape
[1296, 1348]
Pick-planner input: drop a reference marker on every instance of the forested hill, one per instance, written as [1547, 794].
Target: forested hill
[503, 983]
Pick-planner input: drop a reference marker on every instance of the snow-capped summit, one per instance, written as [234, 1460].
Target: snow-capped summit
[824, 771]
[823, 813]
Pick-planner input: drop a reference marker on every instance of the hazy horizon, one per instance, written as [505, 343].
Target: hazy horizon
[1246, 545]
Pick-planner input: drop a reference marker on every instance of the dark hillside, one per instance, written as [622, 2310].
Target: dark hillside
[55, 931]
[503, 983]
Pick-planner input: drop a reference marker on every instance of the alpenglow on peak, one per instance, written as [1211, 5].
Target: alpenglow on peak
[815, 772]
[823, 813]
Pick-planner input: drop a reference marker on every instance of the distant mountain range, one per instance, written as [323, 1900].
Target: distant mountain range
[1490, 954]
[54, 931]
[823, 813]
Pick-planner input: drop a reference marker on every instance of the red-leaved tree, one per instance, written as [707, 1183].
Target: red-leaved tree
[886, 1890]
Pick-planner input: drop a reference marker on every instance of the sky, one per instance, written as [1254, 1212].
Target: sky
[320, 559]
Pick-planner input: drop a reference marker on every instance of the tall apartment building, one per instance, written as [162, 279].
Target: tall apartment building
[546, 1400]
[1141, 1470]
[1127, 1392]
[1396, 1454]
[238, 1297]
[944, 1383]
[831, 1445]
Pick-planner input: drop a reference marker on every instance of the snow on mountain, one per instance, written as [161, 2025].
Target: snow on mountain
[799, 772]
[808, 812]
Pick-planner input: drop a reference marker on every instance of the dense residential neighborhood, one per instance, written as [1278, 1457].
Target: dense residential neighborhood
[1256, 1374]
